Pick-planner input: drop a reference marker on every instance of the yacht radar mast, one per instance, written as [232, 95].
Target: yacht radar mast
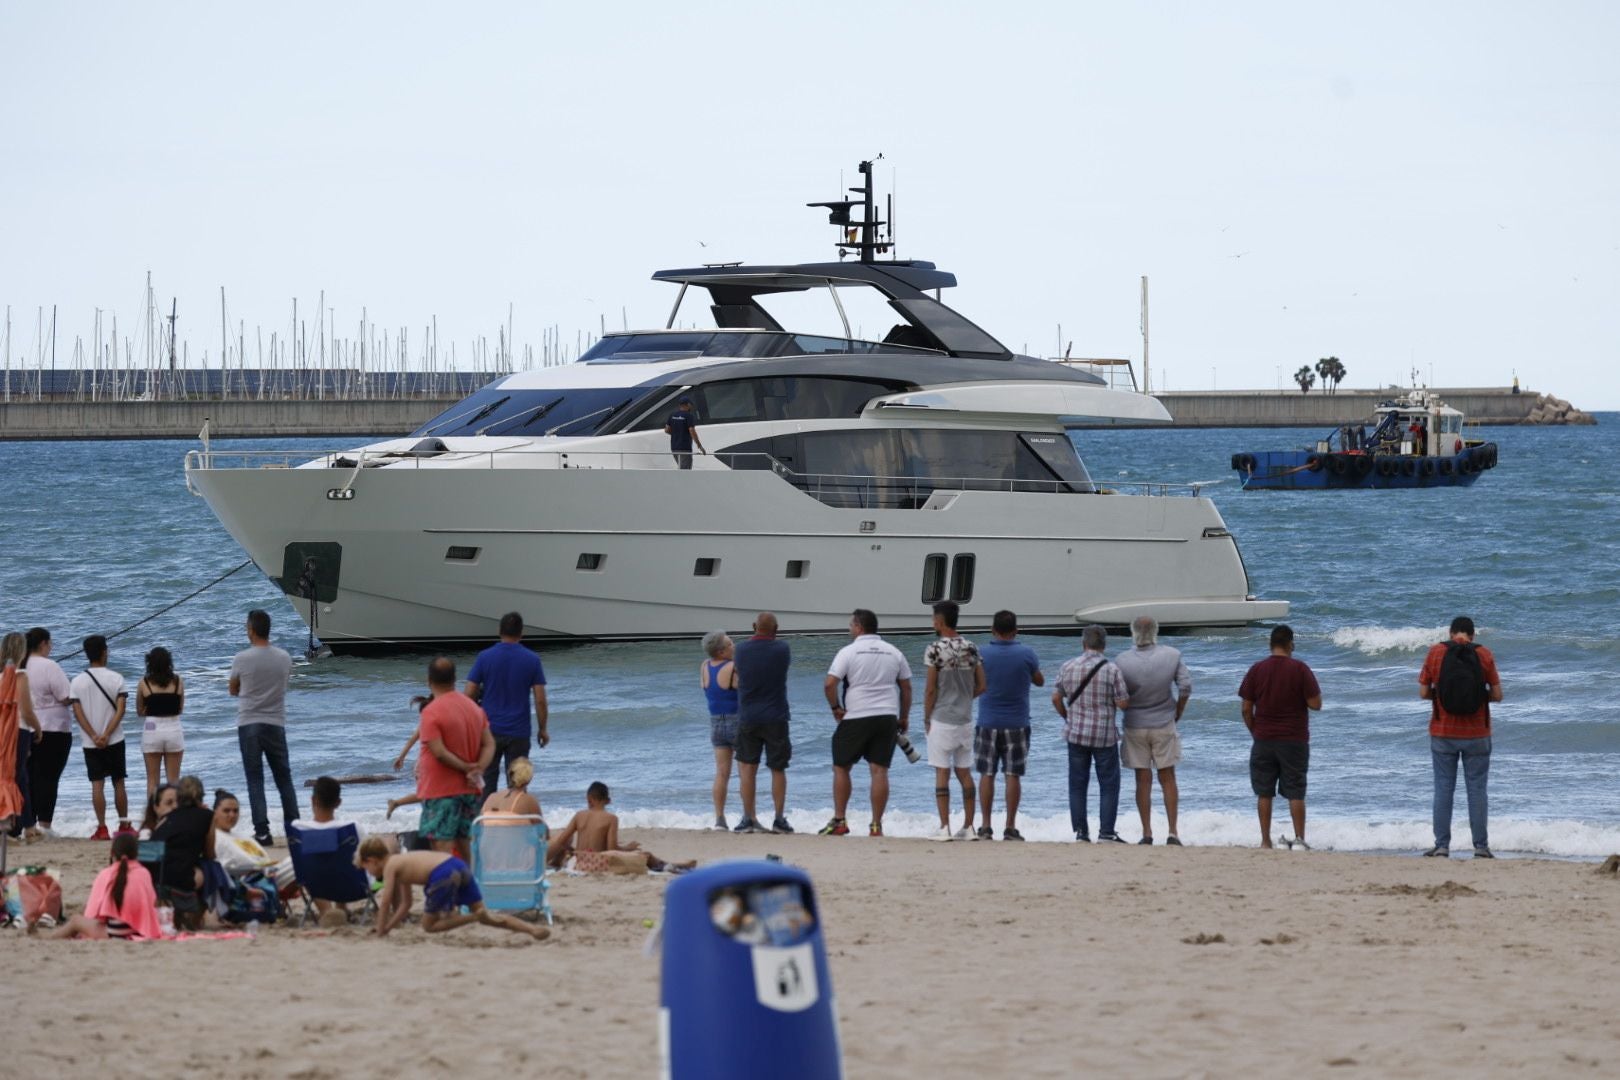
[868, 236]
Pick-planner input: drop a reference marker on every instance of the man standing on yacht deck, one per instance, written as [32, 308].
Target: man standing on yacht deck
[681, 427]
[761, 664]
[1152, 742]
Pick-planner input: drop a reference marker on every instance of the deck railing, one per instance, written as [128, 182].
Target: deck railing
[847, 491]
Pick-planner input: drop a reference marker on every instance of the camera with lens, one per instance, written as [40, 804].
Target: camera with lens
[906, 748]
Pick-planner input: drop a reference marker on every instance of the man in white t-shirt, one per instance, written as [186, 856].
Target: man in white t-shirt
[48, 685]
[876, 707]
[99, 698]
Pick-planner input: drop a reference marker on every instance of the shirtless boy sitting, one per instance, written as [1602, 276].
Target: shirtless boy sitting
[592, 837]
[447, 884]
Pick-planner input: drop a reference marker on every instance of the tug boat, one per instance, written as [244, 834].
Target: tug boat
[1416, 441]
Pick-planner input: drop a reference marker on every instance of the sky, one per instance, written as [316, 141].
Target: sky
[1431, 187]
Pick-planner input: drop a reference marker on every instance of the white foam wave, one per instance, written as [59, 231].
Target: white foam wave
[1373, 640]
[1560, 838]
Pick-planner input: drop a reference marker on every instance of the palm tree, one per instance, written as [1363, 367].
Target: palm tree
[1306, 379]
[1338, 372]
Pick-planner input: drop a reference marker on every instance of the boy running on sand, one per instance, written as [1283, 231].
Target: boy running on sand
[447, 883]
[592, 837]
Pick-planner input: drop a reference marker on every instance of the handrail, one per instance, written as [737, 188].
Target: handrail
[823, 486]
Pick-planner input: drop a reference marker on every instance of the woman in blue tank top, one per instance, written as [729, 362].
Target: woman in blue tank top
[718, 677]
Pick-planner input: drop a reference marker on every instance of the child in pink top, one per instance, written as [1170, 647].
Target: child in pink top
[122, 902]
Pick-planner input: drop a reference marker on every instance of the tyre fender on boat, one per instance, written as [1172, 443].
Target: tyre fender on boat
[1409, 467]
[1313, 462]
[1426, 466]
[1362, 464]
[1386, 467]
[1447, 466]
[1338, 464]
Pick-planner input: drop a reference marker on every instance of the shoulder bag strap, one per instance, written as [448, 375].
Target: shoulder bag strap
[1083, 684]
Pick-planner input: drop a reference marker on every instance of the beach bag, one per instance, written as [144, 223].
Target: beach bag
[40, 895]
[1461, 689]
[255, 900]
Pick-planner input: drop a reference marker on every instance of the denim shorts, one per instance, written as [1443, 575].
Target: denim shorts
[723, 731]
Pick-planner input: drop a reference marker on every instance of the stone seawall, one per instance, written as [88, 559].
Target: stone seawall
[248, 418]
[239, 418]
[1261, 408]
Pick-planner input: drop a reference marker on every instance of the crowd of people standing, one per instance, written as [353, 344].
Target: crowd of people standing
[1120, 712]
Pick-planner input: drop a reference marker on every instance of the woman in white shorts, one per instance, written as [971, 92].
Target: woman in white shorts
[159, 700]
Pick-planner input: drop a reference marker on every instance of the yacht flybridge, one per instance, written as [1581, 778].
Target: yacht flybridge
[932, 464]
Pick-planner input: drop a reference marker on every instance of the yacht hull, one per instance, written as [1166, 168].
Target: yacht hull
[434, 556]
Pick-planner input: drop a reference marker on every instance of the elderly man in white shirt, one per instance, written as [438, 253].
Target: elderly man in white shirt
[1152, 742]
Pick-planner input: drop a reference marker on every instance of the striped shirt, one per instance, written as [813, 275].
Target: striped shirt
[1089, 721]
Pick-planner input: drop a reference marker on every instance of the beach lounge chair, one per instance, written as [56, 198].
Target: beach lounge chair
[323, 861]
[509, 862]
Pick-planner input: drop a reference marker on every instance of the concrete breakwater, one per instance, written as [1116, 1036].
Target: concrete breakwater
[268, 418]
[1279, 408]
[233, 418]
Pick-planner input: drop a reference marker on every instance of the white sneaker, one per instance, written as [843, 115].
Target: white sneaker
[942, 833]
[962, 834]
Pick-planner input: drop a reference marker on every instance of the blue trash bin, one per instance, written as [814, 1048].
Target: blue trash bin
[745, 988]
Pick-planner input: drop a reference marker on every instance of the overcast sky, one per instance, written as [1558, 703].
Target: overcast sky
[1400, 185]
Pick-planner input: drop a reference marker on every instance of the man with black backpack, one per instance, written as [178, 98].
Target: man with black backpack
[1459, 680]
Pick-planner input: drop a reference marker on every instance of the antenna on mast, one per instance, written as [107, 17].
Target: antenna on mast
[174, 313]
[869, 236]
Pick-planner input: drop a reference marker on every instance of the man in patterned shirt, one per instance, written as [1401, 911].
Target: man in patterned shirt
[1090, 692]
[955, 678]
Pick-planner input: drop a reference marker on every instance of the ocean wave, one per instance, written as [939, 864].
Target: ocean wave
[1373, 640]
[1560, 838]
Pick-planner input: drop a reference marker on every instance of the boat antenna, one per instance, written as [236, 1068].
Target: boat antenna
[869, 236]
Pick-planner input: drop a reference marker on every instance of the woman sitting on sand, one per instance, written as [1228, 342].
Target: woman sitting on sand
[241, 856]
[159, 805]
[122, 904]
[515, 800]
[188, 837]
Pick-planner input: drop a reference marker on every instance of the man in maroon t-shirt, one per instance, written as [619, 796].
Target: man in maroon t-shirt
[1278, 695]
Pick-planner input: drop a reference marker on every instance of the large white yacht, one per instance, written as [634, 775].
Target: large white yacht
[839, 473]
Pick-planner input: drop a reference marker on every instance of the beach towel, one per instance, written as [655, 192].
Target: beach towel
[139, 910]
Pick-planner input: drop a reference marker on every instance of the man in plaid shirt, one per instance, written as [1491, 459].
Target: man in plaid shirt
[1090, 691]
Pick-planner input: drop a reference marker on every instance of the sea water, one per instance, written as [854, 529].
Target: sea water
[97, 535]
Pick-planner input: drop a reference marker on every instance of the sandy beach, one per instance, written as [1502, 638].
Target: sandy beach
[947, 960]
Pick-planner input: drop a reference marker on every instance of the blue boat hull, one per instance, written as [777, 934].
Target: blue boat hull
[1304, 470]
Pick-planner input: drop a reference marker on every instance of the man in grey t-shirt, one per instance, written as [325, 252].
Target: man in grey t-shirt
[259, 676]
[955, 678]
[1152, 743]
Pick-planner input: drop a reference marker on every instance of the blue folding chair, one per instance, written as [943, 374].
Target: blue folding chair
[323, 862]
[149, 853]
[509, 862]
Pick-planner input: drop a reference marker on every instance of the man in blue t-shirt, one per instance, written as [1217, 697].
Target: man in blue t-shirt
[503, 679]
[681, 427]
[1001, 735]
[762, 664]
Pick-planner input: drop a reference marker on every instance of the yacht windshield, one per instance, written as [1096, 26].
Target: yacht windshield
[499, 411]
[654, 347]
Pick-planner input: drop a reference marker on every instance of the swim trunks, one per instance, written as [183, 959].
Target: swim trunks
[449, 818]
[450, 886]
